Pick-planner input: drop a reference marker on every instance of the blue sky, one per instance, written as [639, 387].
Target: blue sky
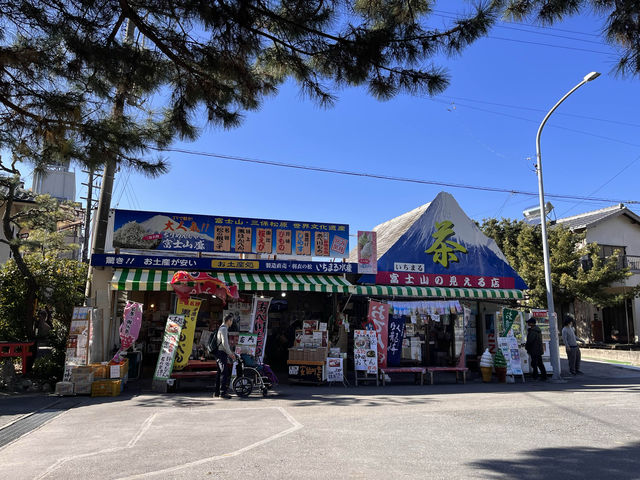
[480, 132]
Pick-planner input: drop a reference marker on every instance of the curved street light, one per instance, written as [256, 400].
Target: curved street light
[554, 346]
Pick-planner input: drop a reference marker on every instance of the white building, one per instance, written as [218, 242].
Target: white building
[614, 229]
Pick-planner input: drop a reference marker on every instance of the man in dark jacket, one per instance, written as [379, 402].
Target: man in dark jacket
[535, 350]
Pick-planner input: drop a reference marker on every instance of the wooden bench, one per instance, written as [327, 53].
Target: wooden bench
[460, 367]
[388, 370]
[20, 350]
[196, 369]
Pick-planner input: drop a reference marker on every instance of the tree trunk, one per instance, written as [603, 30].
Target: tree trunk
[30, 281]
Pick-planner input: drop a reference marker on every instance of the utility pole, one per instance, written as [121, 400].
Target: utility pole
[88, 212]
[104, 201]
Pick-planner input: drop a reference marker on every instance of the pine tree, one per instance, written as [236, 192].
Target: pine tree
[66, 64]
[621, 21]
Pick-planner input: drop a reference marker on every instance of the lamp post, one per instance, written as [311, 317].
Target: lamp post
[554, 346]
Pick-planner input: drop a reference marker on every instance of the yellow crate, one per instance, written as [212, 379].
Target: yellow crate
[106, 388]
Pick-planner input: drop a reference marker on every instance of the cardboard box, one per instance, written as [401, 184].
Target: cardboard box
[81, 369]
[106, 388]
[82, 388]
[64, 388]
[82, 378]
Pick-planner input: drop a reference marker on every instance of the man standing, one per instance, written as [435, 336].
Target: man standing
[535, 350]
[571, 346]
[223, 356]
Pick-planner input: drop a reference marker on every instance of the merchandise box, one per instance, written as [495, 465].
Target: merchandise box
[80, 369]
[118, 372]
[81, 388]
[82, 377]
[99, 370]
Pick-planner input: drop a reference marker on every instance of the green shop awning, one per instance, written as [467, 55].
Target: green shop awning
[436, 292]
[160, 280]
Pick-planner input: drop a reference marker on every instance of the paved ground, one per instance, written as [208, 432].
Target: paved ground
[586, 427]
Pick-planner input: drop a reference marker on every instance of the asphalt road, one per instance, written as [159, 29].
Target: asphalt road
[588, 427]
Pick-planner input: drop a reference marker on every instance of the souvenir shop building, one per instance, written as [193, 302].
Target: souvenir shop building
[443, 279]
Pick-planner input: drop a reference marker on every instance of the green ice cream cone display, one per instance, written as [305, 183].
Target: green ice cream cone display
[500, 366]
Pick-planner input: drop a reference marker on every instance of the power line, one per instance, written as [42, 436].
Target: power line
[595, 135]
[385, 177]
[520, 107]
[529, 25]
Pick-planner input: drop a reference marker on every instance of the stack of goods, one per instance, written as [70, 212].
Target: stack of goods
[82, 378]
[311, 342]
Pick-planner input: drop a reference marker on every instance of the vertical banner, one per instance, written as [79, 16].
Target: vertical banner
[367, 252]
[396, 334]
[379, 316]
[508, 317]
[260, 317]
[129, 329]
[189, 310]
[164, 367]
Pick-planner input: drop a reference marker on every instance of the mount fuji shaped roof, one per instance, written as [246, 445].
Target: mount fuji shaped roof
[405, 240]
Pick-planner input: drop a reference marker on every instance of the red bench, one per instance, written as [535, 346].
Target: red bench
[387, 370]
[196, 369]
[460, 367]
[20, 350]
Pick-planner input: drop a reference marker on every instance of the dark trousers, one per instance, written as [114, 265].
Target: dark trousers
[573, 355]
[224, 373]
[538, 364]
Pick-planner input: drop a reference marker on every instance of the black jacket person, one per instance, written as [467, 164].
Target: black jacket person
[535, 350]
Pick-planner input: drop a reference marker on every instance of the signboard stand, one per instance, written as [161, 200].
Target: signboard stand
[365, 359]
[335, 371]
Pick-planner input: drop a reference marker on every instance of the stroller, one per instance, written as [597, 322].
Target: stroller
[253, 375]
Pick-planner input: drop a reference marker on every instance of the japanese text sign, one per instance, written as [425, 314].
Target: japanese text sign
[207, 233]
[379, 316]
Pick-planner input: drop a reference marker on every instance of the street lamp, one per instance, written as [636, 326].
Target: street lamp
[554, 346]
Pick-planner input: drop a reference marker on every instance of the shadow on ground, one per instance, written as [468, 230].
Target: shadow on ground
[618, 463]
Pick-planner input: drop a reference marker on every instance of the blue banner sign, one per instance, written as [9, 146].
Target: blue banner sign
[218, 264]
[214, 234]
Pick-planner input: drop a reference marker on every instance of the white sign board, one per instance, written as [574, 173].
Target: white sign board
[365, 355]
[511, 351]
[335, 372]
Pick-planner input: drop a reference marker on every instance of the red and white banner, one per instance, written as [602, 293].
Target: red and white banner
[379, 316]
[129, 329]
[260, 316]
[367, 252]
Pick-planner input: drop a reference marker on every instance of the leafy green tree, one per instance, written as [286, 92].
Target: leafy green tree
[621, 22]
[577, 271]
[35, 274]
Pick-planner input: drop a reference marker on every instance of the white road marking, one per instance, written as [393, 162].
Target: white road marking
[143, 428]
[295, 425]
